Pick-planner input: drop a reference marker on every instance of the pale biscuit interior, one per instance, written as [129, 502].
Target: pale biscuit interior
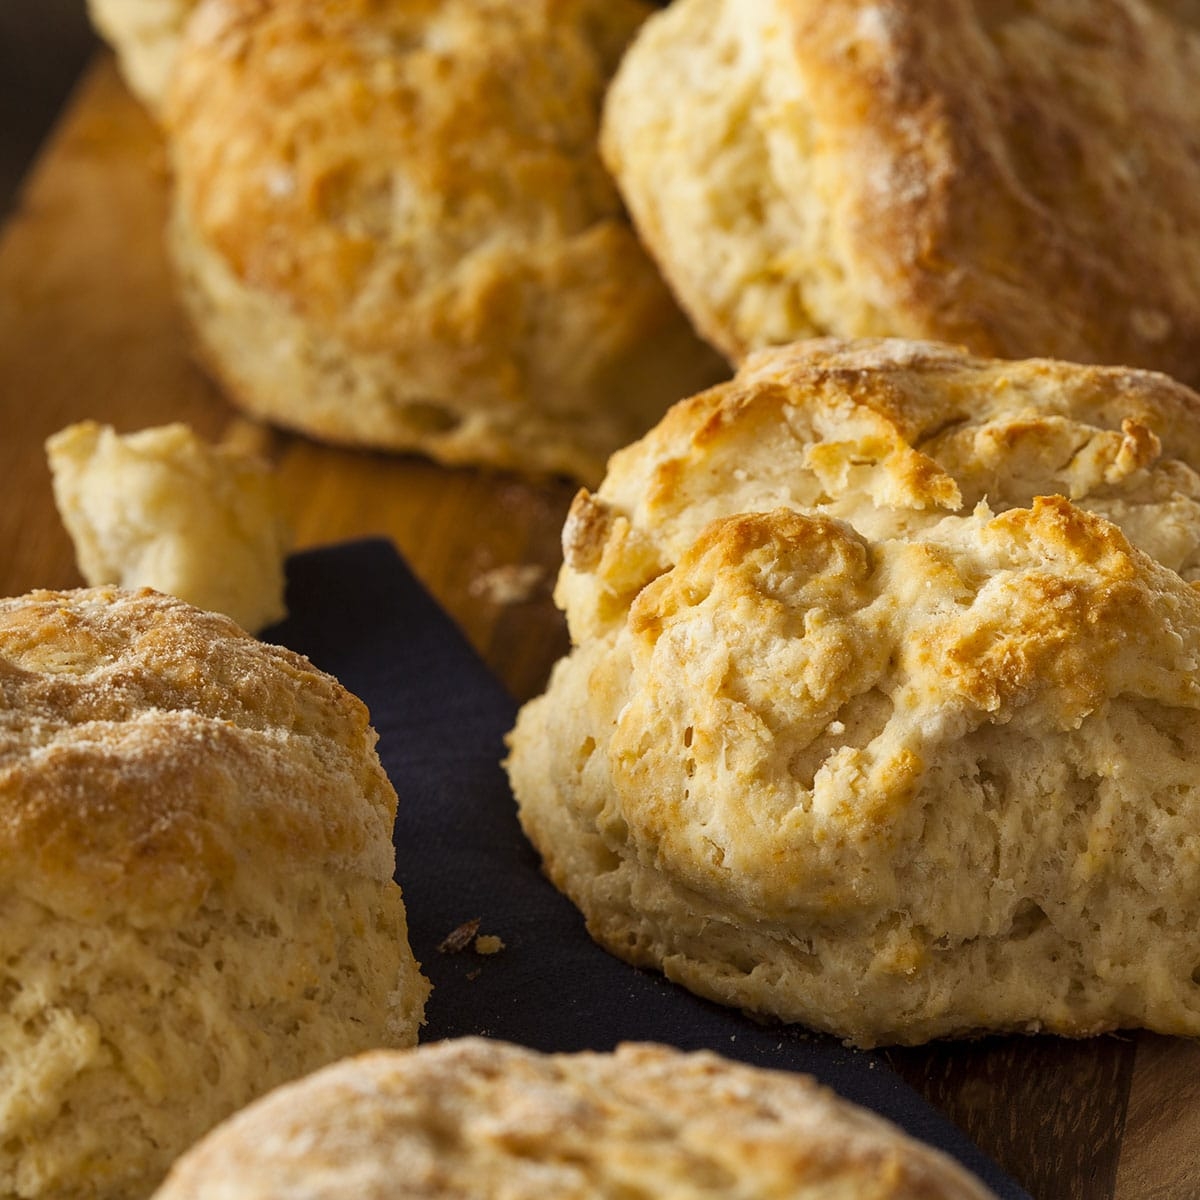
[161, 508]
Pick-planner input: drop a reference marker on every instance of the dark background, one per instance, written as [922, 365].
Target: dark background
[44, 45]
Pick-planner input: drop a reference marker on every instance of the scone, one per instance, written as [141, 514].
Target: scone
[145, 35]
[489, 1119]
[162, 509]
[865, 726]
[1021, 179]
[392, 228]
[196, 896]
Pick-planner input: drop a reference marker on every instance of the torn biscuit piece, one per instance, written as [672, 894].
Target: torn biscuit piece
[145, 35]
[161, 508]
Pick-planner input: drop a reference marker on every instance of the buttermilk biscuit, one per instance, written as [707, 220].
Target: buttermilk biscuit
[196, 896]
[857, 730]
[145, 35]
[1023, 179]
[162, 509]
[392, 228]
[488, 1119]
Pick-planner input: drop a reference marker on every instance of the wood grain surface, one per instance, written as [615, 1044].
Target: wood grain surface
[88, 328]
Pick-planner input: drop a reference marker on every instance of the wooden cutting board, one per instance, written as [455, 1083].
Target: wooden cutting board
[88, 328]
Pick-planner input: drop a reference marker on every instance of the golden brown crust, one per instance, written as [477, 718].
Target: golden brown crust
[891, 436]
[150, 751]
[1022, 181]
[382, 240]
[196, 894]
[484, 1118]
[865, 726]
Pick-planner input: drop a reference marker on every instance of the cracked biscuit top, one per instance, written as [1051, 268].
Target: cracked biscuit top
[891, 437]
[883, 707]
[151, 752]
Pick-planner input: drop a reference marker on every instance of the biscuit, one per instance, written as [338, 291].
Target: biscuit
[392, 228]
[1023, 180]
[488, 1119]
[866, 728]
[196, 896]
[161, 509]
[145, 35]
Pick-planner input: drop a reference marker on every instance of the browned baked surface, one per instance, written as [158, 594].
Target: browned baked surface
[196, 896]
[487, 1119]
[1021, 179]
[867, 725]
[392, 227]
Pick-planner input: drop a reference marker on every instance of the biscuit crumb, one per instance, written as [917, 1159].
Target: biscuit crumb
[488, 943]
[512, 583]
[457, 940]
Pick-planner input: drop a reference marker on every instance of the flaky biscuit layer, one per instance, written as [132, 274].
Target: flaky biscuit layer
[843, 743]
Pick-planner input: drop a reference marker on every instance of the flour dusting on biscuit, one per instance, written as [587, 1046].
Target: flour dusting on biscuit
[196, 893]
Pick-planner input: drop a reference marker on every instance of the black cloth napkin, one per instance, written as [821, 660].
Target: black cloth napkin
[358, 613]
